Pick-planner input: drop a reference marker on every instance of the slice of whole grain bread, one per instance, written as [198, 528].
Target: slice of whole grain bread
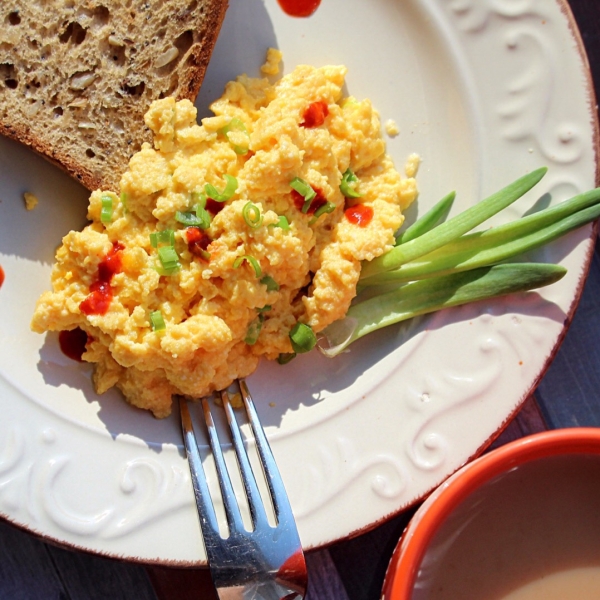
[77, 76]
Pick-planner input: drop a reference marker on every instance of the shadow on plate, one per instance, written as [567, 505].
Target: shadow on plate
[246, 35]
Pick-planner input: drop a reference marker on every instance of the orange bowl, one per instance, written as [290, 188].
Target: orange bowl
[408, 555]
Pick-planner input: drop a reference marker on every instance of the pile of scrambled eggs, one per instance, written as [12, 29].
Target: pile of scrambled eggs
[225, 236]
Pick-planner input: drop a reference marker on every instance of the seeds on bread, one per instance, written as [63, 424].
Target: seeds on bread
[77, 77]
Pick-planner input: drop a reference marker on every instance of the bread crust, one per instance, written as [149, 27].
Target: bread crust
[76, 78]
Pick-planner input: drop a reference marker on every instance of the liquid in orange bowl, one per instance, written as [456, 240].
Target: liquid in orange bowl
[520, 523]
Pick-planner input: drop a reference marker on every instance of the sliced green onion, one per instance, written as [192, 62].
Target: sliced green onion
[236, 125]
[428, 221]
[265, 308]
[303, 338]
[156, 321]
[199, 198]
[272, 285]
[198, 218]
[254, 330]
[305, 190]
[166, 237]
[328, 207]
[124, 201]
[282, 222]
[346, 187]
[430, 295]
[285, 357]
[106, 211]
[189, 219]
[231, 185]
[454, 228]
[251, 261]
[252, 215]
[203, 215]
[168, 257]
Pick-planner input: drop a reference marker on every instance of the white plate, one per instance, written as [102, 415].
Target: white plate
[484, 91]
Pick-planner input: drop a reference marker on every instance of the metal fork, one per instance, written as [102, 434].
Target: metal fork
[266, 562]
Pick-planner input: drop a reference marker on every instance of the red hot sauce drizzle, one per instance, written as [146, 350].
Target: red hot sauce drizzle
[1, 276]
[315, 115]
[198, 242]
[214, 207]
[316, 203]
[299, 8]
[73, 342]
[101, 292]
[359, 214]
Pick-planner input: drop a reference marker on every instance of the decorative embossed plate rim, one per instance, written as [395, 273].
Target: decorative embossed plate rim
[483, 91]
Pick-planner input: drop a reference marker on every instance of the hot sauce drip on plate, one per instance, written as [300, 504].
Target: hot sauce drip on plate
[359, 214]
[1, 276]
[72, 343]
[299, 8]
[315, 114]
[316, 203]
[100, 296]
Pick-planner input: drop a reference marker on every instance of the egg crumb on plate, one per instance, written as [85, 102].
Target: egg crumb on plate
[226, 236]
[31, 200]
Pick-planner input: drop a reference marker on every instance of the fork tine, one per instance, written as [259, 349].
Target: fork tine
[232, 510]
[206, 511]
[257, 509]
[281, 503]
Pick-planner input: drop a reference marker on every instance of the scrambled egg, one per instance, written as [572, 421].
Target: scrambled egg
[172, 307]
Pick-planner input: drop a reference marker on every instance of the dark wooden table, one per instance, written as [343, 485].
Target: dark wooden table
[568, 395]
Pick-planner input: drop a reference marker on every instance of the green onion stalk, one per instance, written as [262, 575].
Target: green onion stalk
[438, 263]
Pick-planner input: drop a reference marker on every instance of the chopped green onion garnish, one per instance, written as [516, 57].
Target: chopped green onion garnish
[199, 198]
[189, 219]
[124, 200]
[272, 285]
[162, 238]
[265, 308]
[106, 212]
[328, 207]
[252, 215]
[305, 190]
[303, 338]
[283, 223]
[285, 357]
[199, 218]
[156, 321]
[202, 214]
[236, 125]
[231, 185]
[168, 257]
[348, 178]
[254, 330]
[251, 261]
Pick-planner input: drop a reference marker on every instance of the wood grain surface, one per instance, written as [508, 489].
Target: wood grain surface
[569, 395]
